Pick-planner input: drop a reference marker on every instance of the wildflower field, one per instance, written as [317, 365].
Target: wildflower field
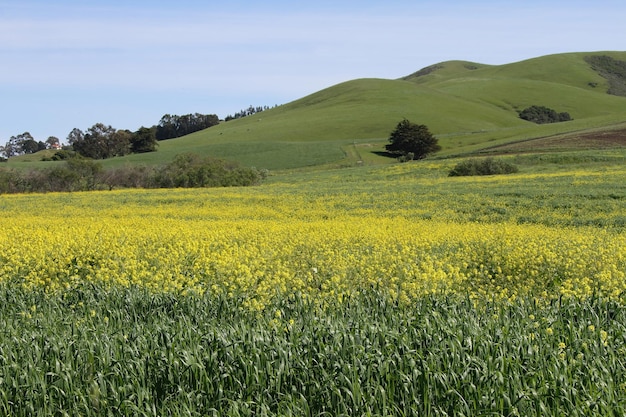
[372, 291]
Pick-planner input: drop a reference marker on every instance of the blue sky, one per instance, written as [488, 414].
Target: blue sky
[71, 63]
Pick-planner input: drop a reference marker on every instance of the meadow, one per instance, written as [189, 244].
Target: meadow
[376, 291]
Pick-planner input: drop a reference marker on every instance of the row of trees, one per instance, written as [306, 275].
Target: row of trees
[247, 112]
[26, 144]
[101, 141]
[172, 126]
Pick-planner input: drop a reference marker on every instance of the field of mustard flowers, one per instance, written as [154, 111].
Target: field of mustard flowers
[379, 291]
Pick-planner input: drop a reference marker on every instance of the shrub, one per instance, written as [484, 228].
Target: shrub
[11, 181]
[542, 114]
[191, 171]
[409, 156]
[487, 166]
[61, 155]
[80, 174]
[131, 176]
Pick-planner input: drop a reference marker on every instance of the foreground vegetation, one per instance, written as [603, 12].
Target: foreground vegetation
[131, 352]
[370, 291]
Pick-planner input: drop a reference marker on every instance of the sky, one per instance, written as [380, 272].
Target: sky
[68, 64]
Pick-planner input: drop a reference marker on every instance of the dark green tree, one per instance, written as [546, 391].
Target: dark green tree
[29, 146]
[119, 143]
[19, 145]
[144, 140]
[542, 114]
[100, 141]
[75, 136]
[412, 140]
[92, 144]
[173, 126]
[53, 142]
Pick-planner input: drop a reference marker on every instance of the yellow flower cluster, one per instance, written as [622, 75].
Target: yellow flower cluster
[203, 241]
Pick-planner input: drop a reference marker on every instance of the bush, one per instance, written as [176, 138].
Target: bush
[80, 174]
[132, 176]
[61, 155]
[487, 166]
[192, 171]
[409, 156]
[541, 115]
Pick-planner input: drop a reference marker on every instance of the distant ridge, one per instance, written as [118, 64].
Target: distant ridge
[456, 65]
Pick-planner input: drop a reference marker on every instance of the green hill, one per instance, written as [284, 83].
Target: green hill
[468, 106]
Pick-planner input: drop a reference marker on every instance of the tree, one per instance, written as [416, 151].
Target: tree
[21, 144]
[91, 144]
[75, 136]
[412, 140]
[173, 126]
[144, 140]
[10, 148]
[100, 141]
[29, 146]
[119, 143]
[53, 142]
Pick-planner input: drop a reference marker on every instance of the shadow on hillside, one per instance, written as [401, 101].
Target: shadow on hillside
[385, 154]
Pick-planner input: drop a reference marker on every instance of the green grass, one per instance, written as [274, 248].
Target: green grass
[468, 106]
[128, 353]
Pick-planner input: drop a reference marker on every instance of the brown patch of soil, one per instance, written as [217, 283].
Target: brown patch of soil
[593, 140]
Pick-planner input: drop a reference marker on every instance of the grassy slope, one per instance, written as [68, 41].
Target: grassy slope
[468, 106]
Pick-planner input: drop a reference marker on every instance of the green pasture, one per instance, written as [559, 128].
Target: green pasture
[468, 106]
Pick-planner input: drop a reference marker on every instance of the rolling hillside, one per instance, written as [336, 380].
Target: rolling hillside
[468, 106]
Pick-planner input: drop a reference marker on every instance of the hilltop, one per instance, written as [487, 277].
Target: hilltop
[470, 107]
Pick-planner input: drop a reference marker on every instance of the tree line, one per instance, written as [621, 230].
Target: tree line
[25, 144]
[247, 112]
[102, 141]
[173, 126]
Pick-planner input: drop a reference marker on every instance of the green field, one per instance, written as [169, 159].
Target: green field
[98, 350]
[136, 354]
[346, 284]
